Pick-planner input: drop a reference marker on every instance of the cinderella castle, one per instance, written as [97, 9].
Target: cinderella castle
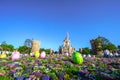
[66, 47]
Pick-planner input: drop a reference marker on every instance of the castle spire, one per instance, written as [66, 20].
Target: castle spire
[67, 36]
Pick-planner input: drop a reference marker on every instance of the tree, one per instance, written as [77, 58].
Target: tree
[7, 47]
[24, 49]
[11, 47]
[101, 43]
[46, 50]
[105, 41]
[42, 49]
[86, 51]
[106, 44]
[110, 46]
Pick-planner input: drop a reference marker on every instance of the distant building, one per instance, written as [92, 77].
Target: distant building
[80, 50]
[1, 48]
[96, 45]
[66, 47]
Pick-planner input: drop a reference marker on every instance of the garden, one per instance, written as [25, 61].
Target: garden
[60, 67]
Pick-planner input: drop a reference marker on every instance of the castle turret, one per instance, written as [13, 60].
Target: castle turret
[66, 47]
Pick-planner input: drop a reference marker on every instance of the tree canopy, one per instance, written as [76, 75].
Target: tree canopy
[24, 49]
[106, 44]
[7, 47]
[86, 50]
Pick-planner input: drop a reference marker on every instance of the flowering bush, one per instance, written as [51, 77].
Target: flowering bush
[60, 68]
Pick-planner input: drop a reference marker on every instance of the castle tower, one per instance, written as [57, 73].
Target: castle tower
[66, 47]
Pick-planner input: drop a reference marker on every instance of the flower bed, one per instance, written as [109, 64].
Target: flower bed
[60, 68]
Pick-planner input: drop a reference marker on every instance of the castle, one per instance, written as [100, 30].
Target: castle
[66, 47]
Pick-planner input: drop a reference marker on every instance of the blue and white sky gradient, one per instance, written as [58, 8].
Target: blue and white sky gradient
[50, 20]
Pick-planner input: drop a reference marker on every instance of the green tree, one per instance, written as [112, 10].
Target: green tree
[46, 50]
[7, 47]
[106, 44]
[86, 51]
[42, 49]
[105, 41]
[4, 46]
[24, 49]
[11, 47]
[110, 46]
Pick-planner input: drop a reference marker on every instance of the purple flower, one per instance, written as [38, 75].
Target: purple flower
[37, 73]
[46, 77]
[110, 66]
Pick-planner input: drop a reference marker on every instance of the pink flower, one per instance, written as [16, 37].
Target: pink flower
[1, 74]
[59, 65]
[10, 65]
[24, 62]
[14, 71]
[110, 66]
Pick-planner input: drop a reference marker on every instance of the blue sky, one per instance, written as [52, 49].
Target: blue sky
[49, 20]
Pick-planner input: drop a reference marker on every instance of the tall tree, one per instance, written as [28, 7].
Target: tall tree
[7, 47]
[105, 41]
[106, 44]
